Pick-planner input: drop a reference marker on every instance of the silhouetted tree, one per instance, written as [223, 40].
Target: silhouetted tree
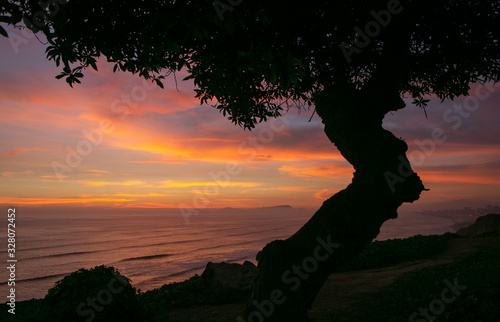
[352, 60]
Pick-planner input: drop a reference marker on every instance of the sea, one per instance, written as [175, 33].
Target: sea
[153, 249]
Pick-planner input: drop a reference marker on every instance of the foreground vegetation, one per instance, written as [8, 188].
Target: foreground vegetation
[466, 290]
[478, 272]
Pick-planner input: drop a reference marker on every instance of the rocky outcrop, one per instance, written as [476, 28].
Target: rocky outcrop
[482, 225]
[230, 278]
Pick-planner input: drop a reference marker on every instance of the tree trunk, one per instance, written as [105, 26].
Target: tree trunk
[292, 271]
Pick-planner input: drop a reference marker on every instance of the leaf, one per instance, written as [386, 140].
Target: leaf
[176, 48]
[159, 83]
[273, 78]
[30, 25]
[61, 75]
[49, 48]
[296, 62]
[93, 64]
[6, 19]
[293, 78]
[3, 32]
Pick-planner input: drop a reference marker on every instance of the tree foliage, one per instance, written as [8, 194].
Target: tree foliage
[98, 294]
[253, 57]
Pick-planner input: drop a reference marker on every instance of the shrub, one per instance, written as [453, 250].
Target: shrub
[477, 272]
[97, 294]
[394, 251]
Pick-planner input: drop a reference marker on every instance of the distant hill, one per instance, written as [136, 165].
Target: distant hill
[280, 207]
[483, 224]
[270, 207]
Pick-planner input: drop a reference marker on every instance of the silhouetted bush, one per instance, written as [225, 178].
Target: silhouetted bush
[98, 294]
[394, 251]
[193, 291]
[476, 299]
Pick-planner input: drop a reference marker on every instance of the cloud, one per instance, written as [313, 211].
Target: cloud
[151, 194]
[104, 183]
[483, 174]
[293, 189]
[97, 172]
[324, 194]
[183, 184]
[166, 134]
[15, 152]
[323, 171]
[50, 201]
[14, 174]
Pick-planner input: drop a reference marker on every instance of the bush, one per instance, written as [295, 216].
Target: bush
[495, 233]
[404, 299]
[385, 253]
[98, 294]
[193, 291]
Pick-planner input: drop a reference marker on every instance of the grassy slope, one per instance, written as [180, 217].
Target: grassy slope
[420, 292]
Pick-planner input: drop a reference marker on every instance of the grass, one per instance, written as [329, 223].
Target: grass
[386, 253]
[193, 291]
[479, 272]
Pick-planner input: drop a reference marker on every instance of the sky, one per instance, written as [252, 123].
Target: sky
[117, 141]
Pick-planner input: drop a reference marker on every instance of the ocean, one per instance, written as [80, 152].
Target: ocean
[160, 248]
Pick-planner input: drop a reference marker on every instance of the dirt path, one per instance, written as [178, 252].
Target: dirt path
[341, 290]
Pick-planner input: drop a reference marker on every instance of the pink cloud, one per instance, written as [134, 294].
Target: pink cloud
[15, 152]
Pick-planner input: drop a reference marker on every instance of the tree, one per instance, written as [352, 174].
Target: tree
[352, 61]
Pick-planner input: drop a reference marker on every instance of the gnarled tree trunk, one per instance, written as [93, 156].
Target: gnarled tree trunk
[292, 271]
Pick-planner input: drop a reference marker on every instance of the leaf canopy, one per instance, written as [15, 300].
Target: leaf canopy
[253, 57]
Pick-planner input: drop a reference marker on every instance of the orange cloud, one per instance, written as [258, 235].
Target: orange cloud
[150, 205]
[174, 149]
[15, 152]
[324, 194]
[50, 177]
[462, 176]
[322, 170]
[104, 183]
[183, 184]
[48, 201]
[151, 194]
[97, 172]
[12, 174]
[293, 189]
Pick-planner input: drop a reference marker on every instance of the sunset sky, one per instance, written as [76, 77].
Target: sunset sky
[118, 141]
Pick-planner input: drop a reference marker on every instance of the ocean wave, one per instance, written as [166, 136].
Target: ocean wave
[60, 255]
[75, 244]
[254, 232]
[241, 243]
[145, 257]
[40, 278]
